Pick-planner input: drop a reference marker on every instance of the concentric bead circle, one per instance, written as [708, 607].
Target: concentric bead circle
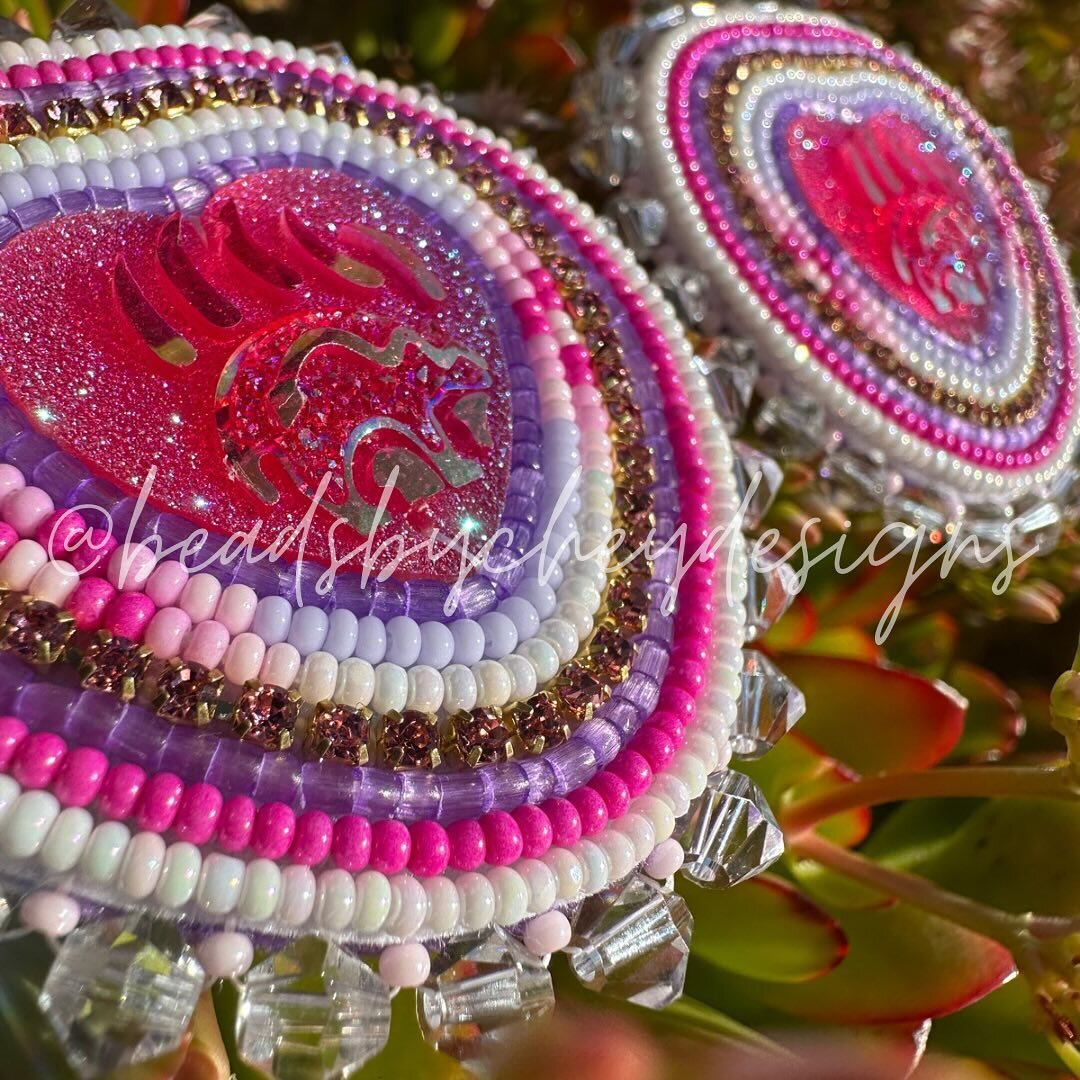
[875, 237]
[291, 743]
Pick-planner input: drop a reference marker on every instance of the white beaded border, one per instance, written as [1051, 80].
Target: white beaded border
[924, 458]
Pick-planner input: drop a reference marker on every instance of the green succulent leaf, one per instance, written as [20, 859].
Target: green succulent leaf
[1015, 854]
[765, 928]
[875, 718]
[794, 628]
[902, 966]
[924, 643]
[435, 32]
[861, 598]
[406, 1053]
[835, 890]
[995, 719]
[795, 768]
[1001, 1028]
[845, 642]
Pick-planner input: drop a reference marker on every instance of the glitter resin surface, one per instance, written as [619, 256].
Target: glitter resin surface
[874, 237]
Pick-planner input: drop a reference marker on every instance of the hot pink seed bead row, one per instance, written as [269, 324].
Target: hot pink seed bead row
[199, 814]
[100, 65]
[679, 106]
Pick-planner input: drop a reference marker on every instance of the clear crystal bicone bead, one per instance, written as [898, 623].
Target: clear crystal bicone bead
[769, 706]
[641, 221]
[863, 477]
[85, 17]
[731, 373]
[605, 93]
[936, 512]
[311, 1012]
[795, 425]
[218, 18]
[633, 942]
[771, 587]
[732, 834]
[757, 481]
[685, 289]
[607, 153]
[121, 992]
[481, 995]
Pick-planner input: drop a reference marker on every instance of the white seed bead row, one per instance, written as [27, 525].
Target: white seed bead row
[922, 457]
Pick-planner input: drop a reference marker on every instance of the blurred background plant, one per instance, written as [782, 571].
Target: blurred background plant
[928, 803]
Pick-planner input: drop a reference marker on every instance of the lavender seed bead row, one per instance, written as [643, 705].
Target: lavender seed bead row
[69, 483]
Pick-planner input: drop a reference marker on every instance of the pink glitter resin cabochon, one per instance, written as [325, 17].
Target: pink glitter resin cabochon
[903, 214]
[305, 336]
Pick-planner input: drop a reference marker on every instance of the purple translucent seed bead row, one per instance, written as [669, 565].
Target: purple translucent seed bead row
[68, 482]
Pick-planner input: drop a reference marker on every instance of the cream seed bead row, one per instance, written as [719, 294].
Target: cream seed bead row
[564, 621]
[58, 49]
[261, 894]
[693, 230]
[1009, 369]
